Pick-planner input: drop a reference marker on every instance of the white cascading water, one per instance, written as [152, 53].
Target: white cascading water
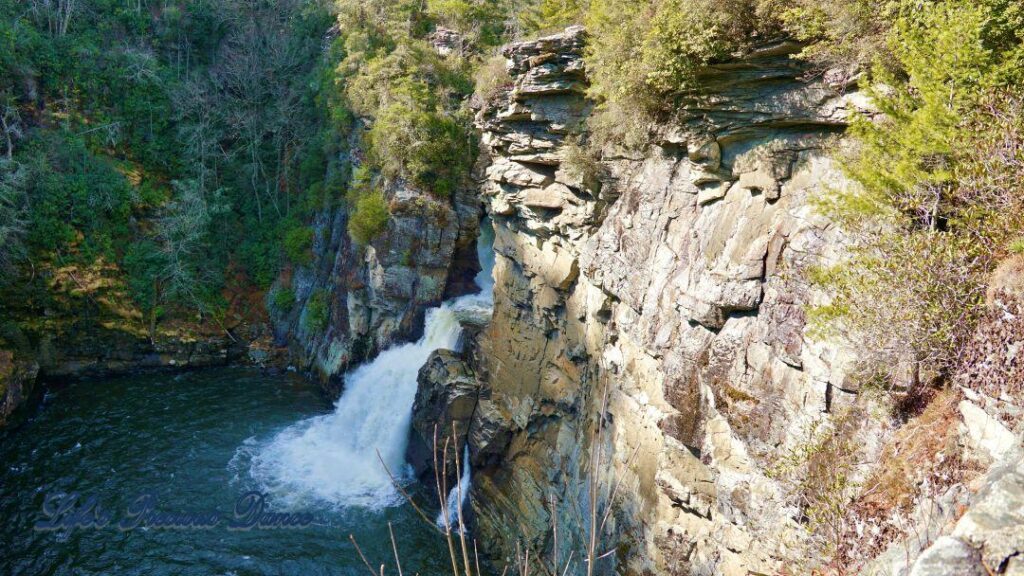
[333, 458]
[448, 519]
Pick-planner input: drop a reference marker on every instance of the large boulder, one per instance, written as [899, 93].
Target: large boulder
[446, 399]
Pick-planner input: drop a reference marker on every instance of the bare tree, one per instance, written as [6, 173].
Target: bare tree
[10, 125]
[57, 14]
[183, 232]
[252, 73]
[13, 222]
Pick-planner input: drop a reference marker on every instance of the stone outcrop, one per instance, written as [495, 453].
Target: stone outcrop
[93, 351]
[983, 531]
[89, 331]
[17, 380]
[99, 352]
[989, 537]
[649, 332]
[666, 293]
[446, 398]
[376, 295]
[105, 352]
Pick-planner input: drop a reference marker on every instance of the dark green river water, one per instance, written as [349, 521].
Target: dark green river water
[184, 439]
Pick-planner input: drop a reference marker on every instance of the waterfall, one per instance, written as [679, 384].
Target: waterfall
[456, 499]
[333, 458]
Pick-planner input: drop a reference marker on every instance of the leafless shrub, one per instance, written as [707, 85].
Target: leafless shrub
[492, 77]
[56, 13]
[601, 492]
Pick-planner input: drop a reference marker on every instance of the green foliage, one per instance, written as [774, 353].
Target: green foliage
[904, 162]
[482, 21]
[145, 265]
[100, 115]
[298, 245]
[144, 262]
[938, 199]
[419, 132]
[370, 217]
[852, 34]
[642, 50]
[12, 217]
[80, 201]
[641, 54]
[284, 300]
[492, 77]
[844, 33]
[432, 150]
[147, 129]
[551, 15]
[317, 312]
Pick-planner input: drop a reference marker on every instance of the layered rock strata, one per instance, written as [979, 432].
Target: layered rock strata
[659, 289]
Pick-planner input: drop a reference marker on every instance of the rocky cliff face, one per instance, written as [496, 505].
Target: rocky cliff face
[97, 351]
[17, 380]
[649, 354]
[660, 290]
[376, 295]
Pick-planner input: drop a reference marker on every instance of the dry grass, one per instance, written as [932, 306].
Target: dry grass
[851, 518]
[492, 78]
[991, 362]
[919, 448]
[920, 462]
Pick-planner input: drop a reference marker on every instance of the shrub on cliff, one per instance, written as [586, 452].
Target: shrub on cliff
[298, 245]
[849, 34]
[414, 97]
[852, 35]
[370, 217]
[431, 150]
[640, 53]
[284, 300]
[483, 22]
[545, 16]
[492, 77]
[939, 199]
[317, 312]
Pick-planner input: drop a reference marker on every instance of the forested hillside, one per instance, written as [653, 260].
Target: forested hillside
[177, 149]
[172, 152]
[165, 147]
[784, 237]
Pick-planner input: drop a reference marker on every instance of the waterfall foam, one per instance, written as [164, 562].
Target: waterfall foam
[333, 458]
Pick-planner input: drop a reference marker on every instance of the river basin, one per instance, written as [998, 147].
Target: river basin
[184, 440]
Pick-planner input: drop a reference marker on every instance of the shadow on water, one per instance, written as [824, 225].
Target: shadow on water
[177, 437]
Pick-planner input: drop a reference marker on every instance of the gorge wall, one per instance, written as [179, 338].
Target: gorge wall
[86, 328]
[650, 355]
[662, 290]
[377, 294]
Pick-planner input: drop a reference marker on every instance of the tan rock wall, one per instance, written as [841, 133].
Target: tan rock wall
[674, 289]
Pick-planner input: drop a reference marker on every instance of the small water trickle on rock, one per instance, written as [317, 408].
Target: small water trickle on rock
[449, 519]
